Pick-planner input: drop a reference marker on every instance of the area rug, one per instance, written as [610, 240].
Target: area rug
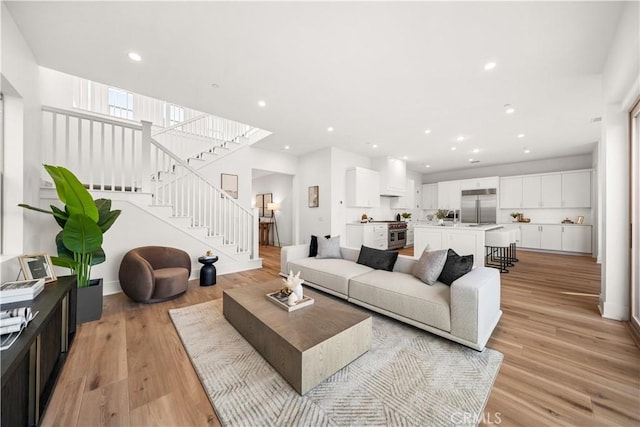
[409, 377]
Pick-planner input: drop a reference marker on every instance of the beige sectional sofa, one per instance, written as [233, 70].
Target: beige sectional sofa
[465, 312]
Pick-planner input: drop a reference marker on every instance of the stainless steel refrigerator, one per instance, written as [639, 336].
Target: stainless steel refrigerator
[479, 206]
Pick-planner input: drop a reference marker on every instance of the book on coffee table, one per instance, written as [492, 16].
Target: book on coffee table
[280, 299]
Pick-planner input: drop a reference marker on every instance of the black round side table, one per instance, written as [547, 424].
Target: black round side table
[208, 270]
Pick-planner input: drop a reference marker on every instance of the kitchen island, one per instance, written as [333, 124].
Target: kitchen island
[465, 239]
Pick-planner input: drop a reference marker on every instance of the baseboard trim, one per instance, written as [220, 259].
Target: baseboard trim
[634, 331]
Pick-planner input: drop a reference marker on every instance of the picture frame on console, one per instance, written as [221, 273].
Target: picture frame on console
[37, 266]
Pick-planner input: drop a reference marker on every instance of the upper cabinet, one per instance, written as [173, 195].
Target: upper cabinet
[449, 195]
[553, 190]
[393, 175]
[363, 188]
[429, 196]
[474, 184]
[576, 189]
[406, 201]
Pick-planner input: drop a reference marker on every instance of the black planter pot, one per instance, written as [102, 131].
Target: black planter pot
[89, 302]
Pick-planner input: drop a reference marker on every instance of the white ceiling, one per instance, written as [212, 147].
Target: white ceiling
[378, 73]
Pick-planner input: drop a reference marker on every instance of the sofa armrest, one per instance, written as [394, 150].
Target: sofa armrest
[475, 305]
[289, 253]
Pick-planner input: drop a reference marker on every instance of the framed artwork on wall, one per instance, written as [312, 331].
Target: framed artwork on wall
[37, 266]
[314, 196]
[229, 184]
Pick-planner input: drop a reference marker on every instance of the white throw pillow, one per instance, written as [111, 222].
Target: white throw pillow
[429, 266]
[329, 248]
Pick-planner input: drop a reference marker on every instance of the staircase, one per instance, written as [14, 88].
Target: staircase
[125, 158]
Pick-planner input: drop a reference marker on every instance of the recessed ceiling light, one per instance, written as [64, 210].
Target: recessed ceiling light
[329, 129]
[470, 160]
[427, 166]
[427, 131]
[489, 66]
[375, 146]
[460, 138]
[286, 147]
[404, 157]
[508, 109]
[262, 104]
[453, 148]
[476, 150]
[521, 135]
[527, 151]
[135, 56]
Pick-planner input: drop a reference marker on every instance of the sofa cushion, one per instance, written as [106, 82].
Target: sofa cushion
[430, 265]
[333, 274]
[403, 294]
[377, 258]
[455, 267]
[329, 248]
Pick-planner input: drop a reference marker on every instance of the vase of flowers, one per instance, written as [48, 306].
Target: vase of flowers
[516, 216]
[441, 214]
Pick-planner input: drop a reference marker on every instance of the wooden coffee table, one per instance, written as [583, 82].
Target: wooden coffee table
[305, 346]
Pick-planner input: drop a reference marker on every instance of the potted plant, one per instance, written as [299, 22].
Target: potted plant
[79, 243]
[406, 215]
[516, 216]
[441, 214]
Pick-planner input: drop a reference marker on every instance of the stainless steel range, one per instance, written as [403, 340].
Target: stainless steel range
[397, 238]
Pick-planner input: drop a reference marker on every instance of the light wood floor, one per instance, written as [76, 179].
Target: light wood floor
[563, 364]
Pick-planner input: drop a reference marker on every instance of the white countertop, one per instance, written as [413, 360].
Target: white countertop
[459, 226]
[544, 223]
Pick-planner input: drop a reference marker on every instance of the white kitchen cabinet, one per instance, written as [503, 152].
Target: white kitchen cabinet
[406, 201]
[542, 191]
[547, 237]
[363, 188]
[449, 195]
[429, 196]
[393, 175]
[410, 234]
[474, 184]
[511, 192]
[576, 238]
[371, 235]
[576, 189]
[417, 197]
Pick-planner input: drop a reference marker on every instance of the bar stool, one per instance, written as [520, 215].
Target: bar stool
[497, 244]
[513, 237]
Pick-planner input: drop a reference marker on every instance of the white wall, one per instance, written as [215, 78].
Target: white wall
[22, 169]
[621, 83]
[281, 188]
[512, 169]
[314, 169]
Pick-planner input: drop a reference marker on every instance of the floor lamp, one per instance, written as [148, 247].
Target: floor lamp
[274, 207]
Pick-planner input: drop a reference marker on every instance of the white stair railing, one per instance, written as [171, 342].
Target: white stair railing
[202, 134]
[118, 155]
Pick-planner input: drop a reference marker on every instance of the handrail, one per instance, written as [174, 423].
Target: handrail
[198, 174]
[93, 117]
[177, 125]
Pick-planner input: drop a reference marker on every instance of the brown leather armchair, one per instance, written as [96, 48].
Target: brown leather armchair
[154, 273]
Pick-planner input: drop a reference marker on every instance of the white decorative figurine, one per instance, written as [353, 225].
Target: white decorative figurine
[294, 284]
[292, 300]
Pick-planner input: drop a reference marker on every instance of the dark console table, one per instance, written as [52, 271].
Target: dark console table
[30, 367]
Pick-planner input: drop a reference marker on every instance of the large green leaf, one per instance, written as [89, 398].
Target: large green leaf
[98, 257]
[63, 252]
[72, 193]
[65, 262]
[59, 215]
[106, 216]
[81, 234]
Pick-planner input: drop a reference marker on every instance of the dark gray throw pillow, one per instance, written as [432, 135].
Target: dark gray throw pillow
[455, 267]
[377, 258]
